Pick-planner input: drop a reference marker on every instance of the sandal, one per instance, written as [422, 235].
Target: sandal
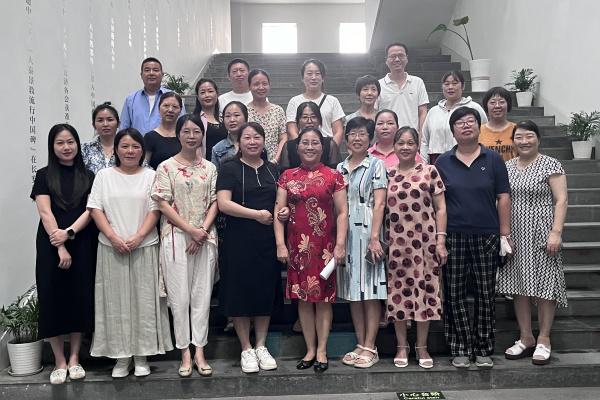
[351, 356]
[402, 362]
[518, 351]
[368, 361]
[541, 355]
[426, 363]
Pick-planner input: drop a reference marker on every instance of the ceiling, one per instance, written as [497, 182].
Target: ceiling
[299, 1]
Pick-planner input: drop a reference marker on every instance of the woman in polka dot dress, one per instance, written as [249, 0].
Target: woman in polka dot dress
[417, 221]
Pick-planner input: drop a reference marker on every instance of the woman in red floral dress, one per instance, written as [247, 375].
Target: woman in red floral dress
[317, 199]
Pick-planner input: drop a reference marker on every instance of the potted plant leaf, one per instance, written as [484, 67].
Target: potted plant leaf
[20, 319]
[480, 68]
[176, 83]
[523, 82]
[581, 128]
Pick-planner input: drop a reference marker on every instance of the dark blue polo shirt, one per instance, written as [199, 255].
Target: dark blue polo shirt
[471, 192]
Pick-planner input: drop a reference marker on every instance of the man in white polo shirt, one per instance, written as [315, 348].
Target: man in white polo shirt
[402, 93]
[237, 71]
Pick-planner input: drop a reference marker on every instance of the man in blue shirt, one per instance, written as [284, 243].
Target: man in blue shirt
[140, 110]
[478, 207]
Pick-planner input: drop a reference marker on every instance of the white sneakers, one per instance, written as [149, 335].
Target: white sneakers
[265, 359]
[141, 366]
[123, 367]
[58, 376]
[254, 360]
[249, 361]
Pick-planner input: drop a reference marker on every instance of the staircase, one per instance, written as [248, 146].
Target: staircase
[576, 331]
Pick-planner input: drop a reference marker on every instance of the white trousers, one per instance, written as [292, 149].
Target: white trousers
[189, 281]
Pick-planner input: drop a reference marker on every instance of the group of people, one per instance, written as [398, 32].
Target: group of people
[423, 203]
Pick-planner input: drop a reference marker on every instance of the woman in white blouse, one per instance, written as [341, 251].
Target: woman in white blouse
[313, 75]
[130, 318]
[185, 189]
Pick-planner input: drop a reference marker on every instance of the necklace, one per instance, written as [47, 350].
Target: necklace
[253, 165]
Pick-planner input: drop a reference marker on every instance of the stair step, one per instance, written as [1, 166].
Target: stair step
[560, 153]
[586, 180]
[567, 369]
[580, 231]
[581, 253]
[583, 212]
[581, 166]
[582, 276]
[584, 196]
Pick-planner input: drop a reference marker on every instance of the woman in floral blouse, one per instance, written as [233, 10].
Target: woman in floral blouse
[185, 190]
[99, 154]
[317, 231]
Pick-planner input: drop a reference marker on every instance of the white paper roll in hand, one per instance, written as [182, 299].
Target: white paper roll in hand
[326, 272]
[505, 248]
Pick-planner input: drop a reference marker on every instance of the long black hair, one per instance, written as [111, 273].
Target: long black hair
[81, 182]
[198, 108]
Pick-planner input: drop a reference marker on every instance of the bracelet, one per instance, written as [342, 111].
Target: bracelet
[556, 231]
[204, 229]
[441, 233]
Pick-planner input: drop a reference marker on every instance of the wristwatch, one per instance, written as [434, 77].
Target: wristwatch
[70, 233]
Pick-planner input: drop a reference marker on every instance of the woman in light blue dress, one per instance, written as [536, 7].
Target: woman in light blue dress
[363, 279]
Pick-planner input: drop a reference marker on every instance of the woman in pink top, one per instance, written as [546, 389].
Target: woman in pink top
[386, 125]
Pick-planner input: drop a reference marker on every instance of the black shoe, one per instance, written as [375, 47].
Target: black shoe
[303, 364]
[321, 366]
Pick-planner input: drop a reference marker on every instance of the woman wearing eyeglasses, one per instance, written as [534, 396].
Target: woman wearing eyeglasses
[362, 280]
[478, 208]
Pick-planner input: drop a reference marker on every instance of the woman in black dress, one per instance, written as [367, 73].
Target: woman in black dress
[250, 272]
[207, 107]
[66, 250]
[162, 142]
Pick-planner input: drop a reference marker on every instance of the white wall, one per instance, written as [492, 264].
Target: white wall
[371, 16]
[317, 24]
[84, 39]
[558, 39]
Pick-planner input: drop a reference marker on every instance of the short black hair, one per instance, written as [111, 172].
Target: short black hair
[461, 112]
[105, 106]
[237, 61]
[527, 125]
[318, 63]
[413, 132]
[195, 118]
[258, 71]
[240, 105]
[361, 122]
[386, 110]
[364, 81]
[167, 95]
[314, 107]
[497, 91]
[456, 75]
[150, 59]
[315, 130]
[135, 135]
[389, 46]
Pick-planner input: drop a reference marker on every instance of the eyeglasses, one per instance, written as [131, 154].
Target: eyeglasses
[308, 117]
[466, 122]
[359, 134]
[400, 57]
[307, 143]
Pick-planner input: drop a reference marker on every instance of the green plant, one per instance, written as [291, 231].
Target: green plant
[523, 80]
[176, 83]
[583, 125]
[20, 319]
[457, 22]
